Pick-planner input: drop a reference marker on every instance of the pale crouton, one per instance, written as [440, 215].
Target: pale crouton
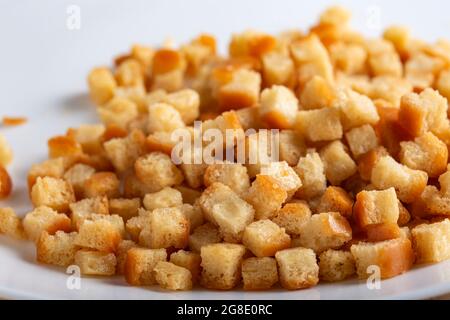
[349, 58]
[357, 110]
[102, 85]
[317, 94]
[172, 277]
[297, 268]
[259, 273]
[129, 73]
[382, 231]
[163, 117]
[5, 183]
[186, 102]
[221, 263]
[443, 83]
[421, 70]
[336, 199]
[284, 175]
[139, 265]
[165, 198]
[100, 234]
[11, 224]
[233, 175]
[261, 148]
[249, 118]
[291, 147]
[278, 69]
[361, 140]
[311, 172]
[76, 176]
[392, 257]
[194, 214]
[279, 107]
[85, 208]
[118, 111]
[102, 184]
[94, 263]
[58, 249]
[204, 235]
[121, 254]
[125, 208]
[189, 260]
[135, 225]
[430, 242]
[264, 238]
[338, 163]
[193, 173]
[336, 265]
[54, 193]
[319, 125]
[44, 219]
[241, 92]
[293, 217]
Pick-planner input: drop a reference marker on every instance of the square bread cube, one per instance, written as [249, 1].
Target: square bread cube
[54, 168]
[121, 254]
[172, 277]
[187, 103]
[336, 265]
[430, 242]
[241, 92]
[375, 207]
[135, 225]
[261, 148]
[293, 217]
[291, 147]
[119, 111]
[188, 260]
[233, 175]
[139, 265]
[338, 164]
[264, 238]
[279, 107]
[163, 117]
[311, 172]
[102, 85]
[100, 234]
[284, 175]
[11, 224]
[167, 227]
[221, 263]
[443, 83]
[367, 161]
[44, 219]
[85, 208]
[336, 199]
[189, 195]
[266, 196]
[297, 268]
[319, 125]
[6, 154]
[125, 208]
[357, 110]
[393, 257]
[194, 215]
[102, 184]
[223, 207]
[317, 94]
[383, 231]
[58, 249]
[349, 58]
[204, 235]
[90, 137]
[76, 176]
[259, 273]
[361, 140]
[278, 69]
[63, 146]
[95, 263]
[165, 198]
[53, 193]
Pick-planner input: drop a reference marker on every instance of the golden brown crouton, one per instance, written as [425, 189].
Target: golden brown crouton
[338, 163]
[187, 103]
[99, 234]
[264, 238]
[291, 146]
[317, 94]
[54, 193]
[233, 175]
[172, 277]
[63, 146]
[101, 85]
[367, 161]
[121, 254]
[188, 260]
[189, 195]
[89, 136]
[319, 125]
[139, 265]
[284, 175]
[54, 168]
[311, 172]
[118, 112]
[165, 198]
[204, 235]
[361, 140]
[163, 117]
[293, 217]
[125, 208]
[279, 107]
[85, 208]
[430, 242]
[383, 231]
[336, 265]
[96, 263]
[76, 176]
[11, 224]
[336, 199]
[241, 91]
[5, 183]
[6, 154]
[44, 219]
[259, 273]
[102, 184]
[357, 110]
[58, 249]
[278, 69]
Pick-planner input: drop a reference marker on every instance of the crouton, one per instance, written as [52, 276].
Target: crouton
[94, 263]
[102, 85]
[264, 238]
[279, 107]
[382, 231]
[266, 196]
[85, 208]
[317, 94]
[54, 168]
[297, 268]
[99, 234]
[336, 199]
[324, 231]
[261, 148]
[194, 215]
[161, 141]
[204, 235]
[114, 219]
[54, 193]
[165, 198]
[330, 127]
[5, 183]
[367, 161]
[311, 172]
[408, 183]
[443, 83]
[392, 257]
[44, 219]
[139, 265]
[89, 136]
[389, 90]
[129, 73]
[163, 117]
[58, 249]
[135, 188]
[249, 118]
[76, 176]
[121, 254]
[291, 147]
[430, 242]
[6, 154]
[357, 110]
[194, 173]
[349, 58]
[135, 225]
[189, 195]
[233, 175]
[293, 217]
[404, 216]
[426, 153]
[259, 273]
[421, 70]
[226, 209]
[118, 112]
[172, 277]
[338, 163]
[63, 146]
[167, 227]
[284, 175]
[361, 140]
[11, 224]
[221, 263]
[336, 265]
[186, 102]
[102, 184]
[125, 208]
[277, 69]
[374, 207]
[189, 260]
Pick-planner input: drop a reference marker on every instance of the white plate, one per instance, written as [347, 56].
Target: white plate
[44, 65]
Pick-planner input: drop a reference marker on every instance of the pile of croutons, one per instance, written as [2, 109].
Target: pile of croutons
[361, 180]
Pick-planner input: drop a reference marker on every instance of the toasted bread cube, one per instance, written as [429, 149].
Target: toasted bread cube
[118, 112]
[357, 110]
[135, 188]
[204, 235]
[297, 268]
[375, 207]
[102, 85]
[125, 208]
[44, 219]
[349, 58]
[223, 207]
[187, 103]
[367, 161]
[293, 217]
[99, 234]
[386, 64]
[393, 257]
[284, 175]
[389, 90]
[279, 107]
[189, 195]
[336, 265]
[319, 125]
[58, 249]
[324, 231]
[266, 196]
[95, 263]
[89, 136]
[129, 73]
[361, 140]
[157, 169]
[311, 172]
[383, 231]
[260, 148]
[424, 112]
[336, 199]
[11, 224]
[241, 92]
[163, 117]
[259, 273]
[54, 168]
[399, 36]
[338, 164]
[249, 118]
[63, 146]
[189, 260]
[335, 15]
[102, 184]
[193, 174]
[135, 225]
[77, 175]
[165, 198]
[168, 227]
[408, 183]
[54, 193]
[291, 147]
[233, 175]
[5, 183]
[114, 219]
[172, 277]
[430, 242]
[221, 263]
[85, 208]
[194, 214]
[443, 83]
[426, 153]
[264, 238]
[6, 154]
[421, 70]
[317, 94]
[121, 254]
[431, 202]
[278, 69]
[139, 265]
